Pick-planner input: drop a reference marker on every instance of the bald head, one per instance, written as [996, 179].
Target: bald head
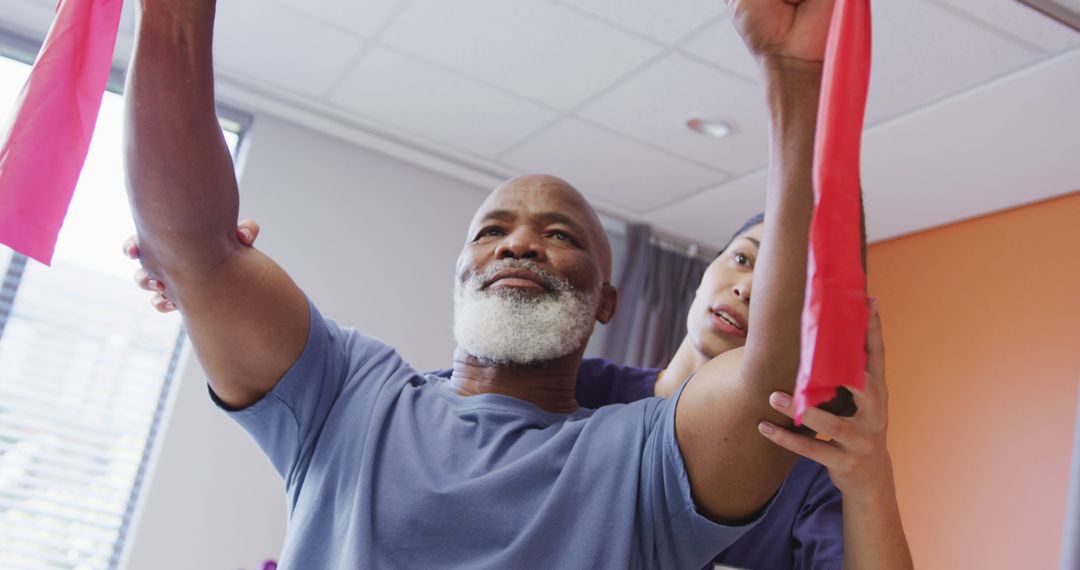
[549, 197]
[539, 259]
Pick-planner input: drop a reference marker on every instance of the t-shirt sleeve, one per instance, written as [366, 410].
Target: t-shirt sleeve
[819, 527]
[287, 422]
[676, 535]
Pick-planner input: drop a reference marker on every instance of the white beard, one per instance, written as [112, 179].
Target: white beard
[508, 326]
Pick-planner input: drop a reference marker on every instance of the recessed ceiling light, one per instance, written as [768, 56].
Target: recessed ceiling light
[716, 128]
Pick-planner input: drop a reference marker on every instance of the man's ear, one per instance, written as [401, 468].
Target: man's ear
[609, 300]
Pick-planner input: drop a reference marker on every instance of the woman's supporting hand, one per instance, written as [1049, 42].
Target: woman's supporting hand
[857, 457]
[246, 232]
[856, 453]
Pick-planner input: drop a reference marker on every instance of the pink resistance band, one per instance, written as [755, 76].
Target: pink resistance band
[834, 318]
[48, 135]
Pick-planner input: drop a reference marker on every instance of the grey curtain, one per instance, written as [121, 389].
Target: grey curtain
[656, 287]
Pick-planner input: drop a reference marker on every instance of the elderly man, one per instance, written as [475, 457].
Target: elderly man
[496, 467]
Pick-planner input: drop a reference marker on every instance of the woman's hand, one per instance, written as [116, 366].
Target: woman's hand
[246, 232]
[856, 454]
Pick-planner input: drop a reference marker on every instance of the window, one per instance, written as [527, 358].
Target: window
[85, 370]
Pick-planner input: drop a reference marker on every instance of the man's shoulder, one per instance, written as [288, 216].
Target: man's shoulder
[353, 344]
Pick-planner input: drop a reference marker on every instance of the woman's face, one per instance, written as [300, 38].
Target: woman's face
[720, 313]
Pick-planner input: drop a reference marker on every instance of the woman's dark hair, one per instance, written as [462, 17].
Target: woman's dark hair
[753, 221]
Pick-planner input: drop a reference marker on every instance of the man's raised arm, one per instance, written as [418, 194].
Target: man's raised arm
[247, 320]
[733, 470]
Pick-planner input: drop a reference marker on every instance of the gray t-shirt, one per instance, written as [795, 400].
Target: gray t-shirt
[386, 467]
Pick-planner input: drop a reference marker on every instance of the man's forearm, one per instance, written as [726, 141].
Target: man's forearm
[772, 349]
[181, 180]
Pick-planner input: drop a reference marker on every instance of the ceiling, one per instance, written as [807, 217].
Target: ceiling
[972, 102]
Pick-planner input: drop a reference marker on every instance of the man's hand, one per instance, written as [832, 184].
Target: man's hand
[246, 232]
[791, 31]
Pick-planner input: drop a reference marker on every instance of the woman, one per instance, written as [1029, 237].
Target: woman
[838, 505]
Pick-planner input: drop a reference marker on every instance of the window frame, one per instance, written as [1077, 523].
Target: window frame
[22, 49]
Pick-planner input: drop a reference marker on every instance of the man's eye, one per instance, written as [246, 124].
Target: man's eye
[560, 235]
[489, 232]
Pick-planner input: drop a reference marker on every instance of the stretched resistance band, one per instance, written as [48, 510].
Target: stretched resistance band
[834, 318]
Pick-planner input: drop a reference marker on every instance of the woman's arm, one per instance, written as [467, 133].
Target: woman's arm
[858, 461]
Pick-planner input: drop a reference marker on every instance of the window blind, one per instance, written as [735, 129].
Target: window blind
[86, 366]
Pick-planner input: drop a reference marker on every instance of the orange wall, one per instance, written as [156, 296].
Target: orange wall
[982, 328]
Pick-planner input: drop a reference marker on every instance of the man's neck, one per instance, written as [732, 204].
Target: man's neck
[549, 386]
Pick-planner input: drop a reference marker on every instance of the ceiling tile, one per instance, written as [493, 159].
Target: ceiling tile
[653, 106]
[712, 216]
[611, 169]
[981, 152]
[987, 150]
[1015, 19]
[667, 21]
[965, 152]
[539, 50]
[924, 53]
[719, 44]
[363, 17]
[434, 103]
[294, 52]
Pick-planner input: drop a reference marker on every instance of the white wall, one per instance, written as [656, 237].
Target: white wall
[373, 242]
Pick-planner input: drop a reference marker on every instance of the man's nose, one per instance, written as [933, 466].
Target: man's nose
[520, 245]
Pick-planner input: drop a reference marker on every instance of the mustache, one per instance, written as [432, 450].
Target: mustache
[481, 281]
